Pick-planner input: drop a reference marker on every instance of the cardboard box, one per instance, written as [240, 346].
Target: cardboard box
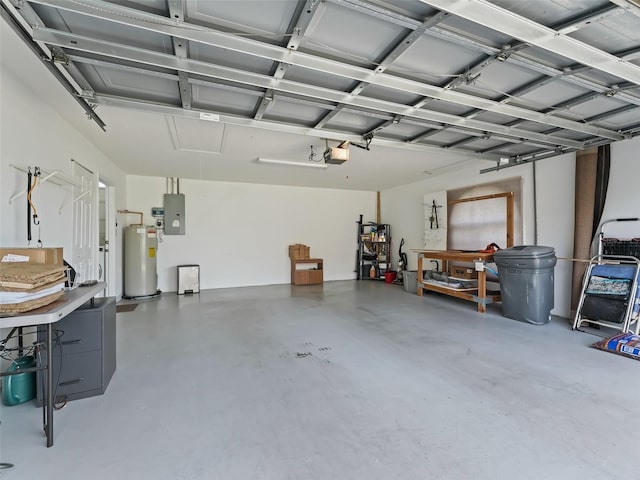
[51, 256]
[458, 271]
[299, 251]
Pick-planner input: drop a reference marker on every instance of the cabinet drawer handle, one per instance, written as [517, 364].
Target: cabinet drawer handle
[71, 382]
[71, 342]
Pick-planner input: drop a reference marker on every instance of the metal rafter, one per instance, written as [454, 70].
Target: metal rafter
[210, 36]
[303, 21]
[139, 55]
[176, 12]
[383, 63]
[154, 107]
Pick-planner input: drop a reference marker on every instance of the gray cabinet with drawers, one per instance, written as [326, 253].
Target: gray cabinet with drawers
[84, 352]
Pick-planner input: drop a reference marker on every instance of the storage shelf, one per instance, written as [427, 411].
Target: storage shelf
[373, 252]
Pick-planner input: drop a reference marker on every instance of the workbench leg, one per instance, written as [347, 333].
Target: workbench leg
[419, 275]
[49, 403]
[482, 291]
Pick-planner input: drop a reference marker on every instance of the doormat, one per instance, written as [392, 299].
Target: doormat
[127, 307]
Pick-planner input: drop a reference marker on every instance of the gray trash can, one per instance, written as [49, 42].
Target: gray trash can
[526, 282]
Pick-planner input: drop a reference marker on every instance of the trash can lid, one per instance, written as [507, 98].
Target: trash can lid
[524, 251]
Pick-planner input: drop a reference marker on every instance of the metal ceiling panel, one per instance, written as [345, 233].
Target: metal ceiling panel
[391, 95]
[432, 58]
[551, 94]
[123, 82]
[447, 107]
[476, 31]
[495, 118]
[320, 79]
[352, 123]
[267, 17]
[221, 56]
[622, 120]
[222, 99]
[283, 110]
[550, 12]
[403, 130]
[350, 35]
[104, 30]
[480, 143]
[470, 76]
[612, 34]
[499, 78]
[444, 137]
[594, 107]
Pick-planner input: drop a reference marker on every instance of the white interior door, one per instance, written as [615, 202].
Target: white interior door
[85, 224]
[110, 244]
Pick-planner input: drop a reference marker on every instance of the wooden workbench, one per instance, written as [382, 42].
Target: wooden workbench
[478, 295]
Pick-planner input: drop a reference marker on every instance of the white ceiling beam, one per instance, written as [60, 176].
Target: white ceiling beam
[632, 6]
[139, 55]
[159, 24]
[152, 107]
[492, 16]
[457, 38]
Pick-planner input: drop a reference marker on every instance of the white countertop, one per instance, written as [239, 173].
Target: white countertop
[71, 300]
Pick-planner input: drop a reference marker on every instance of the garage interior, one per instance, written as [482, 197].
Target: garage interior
[284, 123]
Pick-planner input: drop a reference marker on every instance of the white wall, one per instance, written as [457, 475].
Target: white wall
[239, 232]
[623, 195]
[33, 134]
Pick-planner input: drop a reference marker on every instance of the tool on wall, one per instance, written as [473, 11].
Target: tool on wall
[32, 212]
[433, 219]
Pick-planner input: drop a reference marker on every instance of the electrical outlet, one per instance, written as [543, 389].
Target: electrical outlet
[479, 266]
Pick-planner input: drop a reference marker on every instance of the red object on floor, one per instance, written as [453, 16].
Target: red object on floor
[389, 277]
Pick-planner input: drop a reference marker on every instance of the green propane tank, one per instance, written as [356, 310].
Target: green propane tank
[21, 387]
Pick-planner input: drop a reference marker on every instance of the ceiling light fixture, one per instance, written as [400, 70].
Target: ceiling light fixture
[290, 163]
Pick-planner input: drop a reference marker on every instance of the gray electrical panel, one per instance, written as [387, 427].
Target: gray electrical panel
[174, 217]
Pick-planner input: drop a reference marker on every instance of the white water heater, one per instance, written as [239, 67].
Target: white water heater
[140, 267]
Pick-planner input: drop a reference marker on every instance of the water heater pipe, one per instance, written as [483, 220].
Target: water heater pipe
[134, 213]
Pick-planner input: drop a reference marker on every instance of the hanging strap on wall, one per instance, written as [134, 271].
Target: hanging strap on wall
[28, 207]
[36, 175]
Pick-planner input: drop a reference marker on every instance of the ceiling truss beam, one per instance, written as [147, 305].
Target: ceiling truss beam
[489, 15]
[209, 36]
[388, 59]
[303, 22]
[153, 107]
[123, 52]
[176, 12]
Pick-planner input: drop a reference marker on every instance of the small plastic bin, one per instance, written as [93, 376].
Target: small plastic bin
[188, 279]
[410, 281]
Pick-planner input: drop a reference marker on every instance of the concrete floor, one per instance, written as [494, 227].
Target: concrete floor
[346, 380]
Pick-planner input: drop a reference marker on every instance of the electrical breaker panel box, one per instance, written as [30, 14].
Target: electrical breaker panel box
[174, 218]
